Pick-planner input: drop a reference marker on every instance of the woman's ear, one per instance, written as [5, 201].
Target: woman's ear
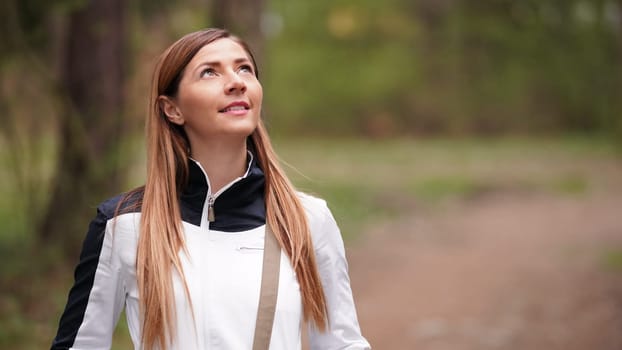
[169, 107]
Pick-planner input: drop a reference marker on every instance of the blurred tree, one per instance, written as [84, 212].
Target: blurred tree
[343, 67]
[28, 72]
[243, 18]
[90, 125]
[539, 65]
[446, 66]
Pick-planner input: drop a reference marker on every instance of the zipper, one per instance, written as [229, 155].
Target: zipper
[211, 198]
[210, 209]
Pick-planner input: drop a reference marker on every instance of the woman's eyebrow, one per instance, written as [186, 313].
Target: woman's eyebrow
[219, 63]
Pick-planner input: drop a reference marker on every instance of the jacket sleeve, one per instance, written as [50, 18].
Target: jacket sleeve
[97, 297]
[343, 330]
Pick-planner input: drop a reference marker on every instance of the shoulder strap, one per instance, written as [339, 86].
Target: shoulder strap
[269, 291]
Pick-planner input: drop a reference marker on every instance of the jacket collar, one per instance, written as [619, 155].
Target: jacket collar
[241, 206]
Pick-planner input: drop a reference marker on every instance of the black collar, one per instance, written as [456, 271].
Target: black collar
[240, 207]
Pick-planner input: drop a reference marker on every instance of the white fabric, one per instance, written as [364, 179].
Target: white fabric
[223, 273]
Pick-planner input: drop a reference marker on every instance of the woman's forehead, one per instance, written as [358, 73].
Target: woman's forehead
[220, 51]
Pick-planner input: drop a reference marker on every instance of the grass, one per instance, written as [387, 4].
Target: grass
[612, 260]
[437, 188]
[364, 182]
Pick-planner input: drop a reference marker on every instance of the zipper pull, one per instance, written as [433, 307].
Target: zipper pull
[210, 209]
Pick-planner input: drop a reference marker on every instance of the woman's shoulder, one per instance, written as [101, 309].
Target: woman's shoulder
[315, 207]
[123, 203]
[320, 217]
[325, 233]
[114, 223]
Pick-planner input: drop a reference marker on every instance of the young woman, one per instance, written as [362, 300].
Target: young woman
[185, 253]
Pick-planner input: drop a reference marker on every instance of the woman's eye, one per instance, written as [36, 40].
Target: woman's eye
[208, 72]
[246, 69]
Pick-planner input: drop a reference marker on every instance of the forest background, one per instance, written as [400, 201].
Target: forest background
[337, 75]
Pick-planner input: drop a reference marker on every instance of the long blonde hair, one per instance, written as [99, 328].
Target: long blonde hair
[161, 233]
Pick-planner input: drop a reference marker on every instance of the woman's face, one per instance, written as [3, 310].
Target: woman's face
[218, 96]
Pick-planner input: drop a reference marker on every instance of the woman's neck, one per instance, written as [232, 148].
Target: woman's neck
[222, 162]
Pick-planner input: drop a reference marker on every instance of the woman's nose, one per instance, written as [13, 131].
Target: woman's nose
[235, 84]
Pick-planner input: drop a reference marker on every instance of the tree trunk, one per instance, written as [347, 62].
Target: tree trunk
[92, 81]
[242, 18]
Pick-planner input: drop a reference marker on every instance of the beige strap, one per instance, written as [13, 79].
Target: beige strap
[269, 291]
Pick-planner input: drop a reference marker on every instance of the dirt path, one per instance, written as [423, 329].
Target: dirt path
[499, 272]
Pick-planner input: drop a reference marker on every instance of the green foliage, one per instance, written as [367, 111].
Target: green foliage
[399, 67]
[437, 188]
[352, 67]
[333, 69]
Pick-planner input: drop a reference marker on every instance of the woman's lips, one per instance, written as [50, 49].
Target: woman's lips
[236, 108]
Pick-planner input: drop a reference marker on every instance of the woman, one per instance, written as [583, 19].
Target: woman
[184, 254]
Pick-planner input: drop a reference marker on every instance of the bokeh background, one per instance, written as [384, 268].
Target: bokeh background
[470, 151]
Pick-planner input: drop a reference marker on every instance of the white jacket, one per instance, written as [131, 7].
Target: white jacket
[222, 270]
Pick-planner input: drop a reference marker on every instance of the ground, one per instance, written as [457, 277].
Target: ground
[498, 271]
